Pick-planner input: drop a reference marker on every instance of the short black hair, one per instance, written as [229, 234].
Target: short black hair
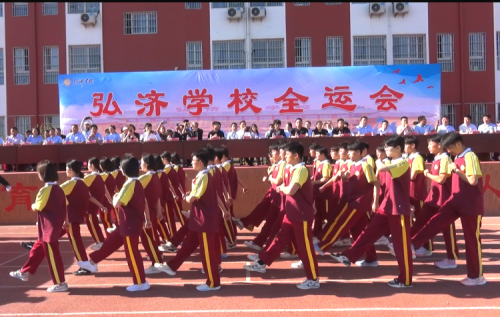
[334, 148]
[116, 161]
[385, 121]
[273, 147]
[148, 125]
[277, 121]
[343, 145]
[298, 119]
[295, 148]
[355, 146]
[211, 152]
[364, 145]
[130, 167]
[436, 138]
[487, 115]
[93, 126]
[395, 141]
[166, 156]
[381, 148]
[468, 117]
[225, 150]
[48, 171]
[363, 117]
[411, 139]
[420, 118]
[75, 166]
[159, 163]
[322, 150]
[215, 122]
[106, 165]
[37, 129]
[150, 161]
[283, 144]
[404, 117]
[339, 120]
[313, 146]
[94, 161]
[202, 155]
[451, 138]
[445, 117]
[176, 159]
[219, 153]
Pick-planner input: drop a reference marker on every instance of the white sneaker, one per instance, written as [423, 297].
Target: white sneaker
[252, 245]
[473, 281]
[363, 263]
[343, 243]
[423, 252]
[297, 265]
[286, 255]
[97, 246]
[382, 241]
[20, 275]
[186, 213]
[446, 264]
[165, 268]
[223, 255]
[318, 249]
[230, 246]
[391, 251]
[168, 247]
[256, 267]
[151, 270]
[138, 287]
[88, 266]
[63, 287]
[253, 257]
[341, 259]
[111, 229]
[308, 284]
[220, 270]
[206, 288]
[238, 223]
[316, 240]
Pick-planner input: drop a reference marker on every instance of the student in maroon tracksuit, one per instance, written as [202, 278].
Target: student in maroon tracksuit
[117, 174]
[97, 189]
[381, 176]
[160, 223]
[50, 206]
[392, 215]
[466, 202]
[322, 173]
[110, 182]
[203, 226]
[132, 209]
[297, 223]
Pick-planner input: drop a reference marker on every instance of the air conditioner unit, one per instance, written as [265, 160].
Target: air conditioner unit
[88, 19]
[377, 8]
[258, 12]
[234, 13]
[400, 8]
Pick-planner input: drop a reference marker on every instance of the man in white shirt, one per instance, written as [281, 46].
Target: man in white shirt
[445, 127]
[467, 127]
[241, 131]
[15, 137]
[422, 127]
[308, 127]
[112, 136]
[94, 135]
[75, 136]
[404, 128]
[363, 126]
[53, 138]
[85, 126]
[268, 132]
[149, 134]
[487, 126]
[385, 128]
[232, 135]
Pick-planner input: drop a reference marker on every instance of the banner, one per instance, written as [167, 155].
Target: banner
[255, 95]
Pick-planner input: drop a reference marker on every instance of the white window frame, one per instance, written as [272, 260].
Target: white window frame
[72, 56]
[192, 5]
[303, 52]
[446, 51]
[2, 70]
[372, 56]
[83, 7]
[50, 8]
[194, 55]
[23, 123]
[1, 9]
[409, 49]
[332, 3]
[140, 22]
[477, 51]
[20, 9]
[498, 50]
[477, 111]
[50, 64]
[334, 51]
[449, 110]
[272, 59]
[49, 121]
[21, 66]
[301, 4]
[3, 131]
[228, 54]
[266, 4]
[222, 5]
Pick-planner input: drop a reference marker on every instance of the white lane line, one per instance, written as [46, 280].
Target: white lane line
[247, 279]
[238, 311]
[17, 257]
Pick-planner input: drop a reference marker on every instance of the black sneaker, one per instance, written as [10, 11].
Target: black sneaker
[27, 245]
[397, 284]
[82, 272]
[341, 258]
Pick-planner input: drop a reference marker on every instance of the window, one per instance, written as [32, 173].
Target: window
[370, 50]
[20, 9]
[49, 8]
[218, 5]
[21, 66]
[51, 121]
[2, 128]
[50, 64]
[139, 23]
[83, 7]
[193, 5]
[267, 53]
[2, 73]
[1, 15]
[409, 49]
[498, 112]
[477, 111]
[228, 54]
[23, 124]
[332, 3]
[498, 50]
[449, 111]
[194, 58]
[266, 4]
[301, 3]
[445, 51]
[334, 51]
[477, 51]
[302, 52]
[84, 59]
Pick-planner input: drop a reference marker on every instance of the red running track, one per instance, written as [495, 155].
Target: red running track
[344, 291]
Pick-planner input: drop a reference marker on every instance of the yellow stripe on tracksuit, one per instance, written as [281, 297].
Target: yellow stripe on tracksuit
[309, 253]
[108, 225]
[73, 243]
[207, 260]
[405, 251]
[94, 233]
[326, 205]
[53, 263]
[452, 239]
[479, 252]
[341, 227]
[168, 221]
[229, 230]
[132, 260]
[116, 216]
[151, 246]
[179, 213]
[335, 222]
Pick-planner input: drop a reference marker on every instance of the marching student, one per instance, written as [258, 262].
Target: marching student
[440, 176]
[117, 174]
[322, 173]
[132, 210]
[97, 189]
[152, 190]
[392, 215]
[297, 223]
[367, 157]
[109, 181]
[203, 227]
[181, 175]
[362, 189]
[418, 185]
[160, 223]
[466, 202]
[381, 176]
[50, 205]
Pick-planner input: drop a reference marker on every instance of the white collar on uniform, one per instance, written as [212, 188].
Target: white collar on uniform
[211, 166]
[159, 171]
[298, 165]
[168, 165]
[348, 161]
[398, 160]
[464, 152]
[360, 161]
[151, 172]
[76, 179]
[324, 161]
[94, 173]
[228, 162]
[413, 155]
[202, 173]
[50, 183]
[440, 156]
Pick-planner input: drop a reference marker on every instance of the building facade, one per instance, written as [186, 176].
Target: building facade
[38, 41]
